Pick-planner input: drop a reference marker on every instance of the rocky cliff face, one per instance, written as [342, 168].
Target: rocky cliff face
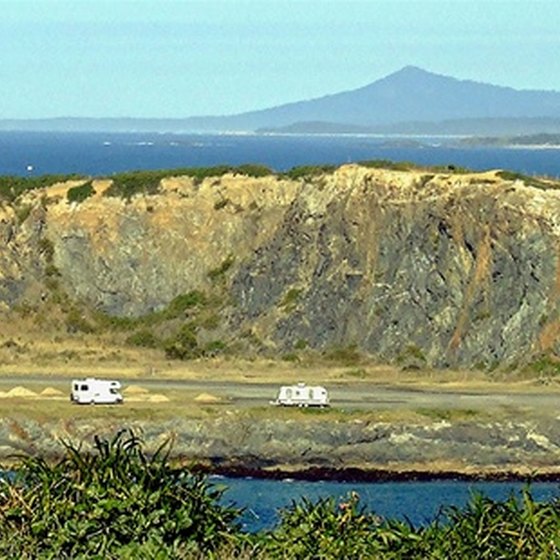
[449, 269]
[227, 443]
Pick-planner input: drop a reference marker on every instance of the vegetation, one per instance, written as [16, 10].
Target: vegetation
[290, 299]
[308, 171]
[529, 181]
[410, 166]
[80, 193]
[545, 365]
[126, 185]
[12, 186]
[344, 355]
[219, 272]
[117, 501]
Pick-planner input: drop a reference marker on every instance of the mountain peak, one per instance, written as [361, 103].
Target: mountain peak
[412, 73]
[411, 69]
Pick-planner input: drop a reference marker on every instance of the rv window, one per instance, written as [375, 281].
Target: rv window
[288, 393]
[76, 387]
[84, 388]
[113, 391]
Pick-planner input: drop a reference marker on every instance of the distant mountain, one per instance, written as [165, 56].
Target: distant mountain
[410, 100]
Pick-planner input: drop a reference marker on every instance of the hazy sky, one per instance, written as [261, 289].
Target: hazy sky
[170, 58]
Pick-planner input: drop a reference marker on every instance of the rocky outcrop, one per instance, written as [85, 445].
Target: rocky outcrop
[227, 443]
[450, 269]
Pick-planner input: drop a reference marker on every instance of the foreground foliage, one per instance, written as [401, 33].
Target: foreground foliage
[113, 502]
[118, 502]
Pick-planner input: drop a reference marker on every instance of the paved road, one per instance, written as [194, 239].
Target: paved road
[357, 395]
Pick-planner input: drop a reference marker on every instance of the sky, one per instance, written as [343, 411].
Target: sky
[173, 58]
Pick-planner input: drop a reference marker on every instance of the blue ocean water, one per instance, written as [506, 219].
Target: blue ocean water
[104, 153]
[419, 502]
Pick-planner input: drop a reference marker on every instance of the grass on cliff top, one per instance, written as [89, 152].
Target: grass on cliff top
[12, 186]
[127, 184]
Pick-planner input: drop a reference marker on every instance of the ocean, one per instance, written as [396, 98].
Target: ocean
[102, 154]
[416, 501]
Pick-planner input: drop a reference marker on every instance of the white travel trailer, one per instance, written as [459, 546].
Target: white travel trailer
[302, 395]
[96, 391]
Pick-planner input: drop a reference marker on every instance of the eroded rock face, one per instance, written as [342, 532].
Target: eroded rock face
[443, 269]
[438, 447]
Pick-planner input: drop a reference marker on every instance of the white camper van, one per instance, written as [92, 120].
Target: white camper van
[96, 391]
[302, 395]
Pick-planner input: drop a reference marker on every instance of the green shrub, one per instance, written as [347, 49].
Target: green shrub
[308, 171]
[545, 365]
[219, 272]
[345, 355]
[388, 164]
[80, 193]
[46, 247]
[515, 528]
[324, 529]
[529, 181]
[126, 185]
[184, 345]
[76, 321]
[301, 344]
[411, 357]
[290, 300]
[22, 212]
[143, 338]
[254, 170]
[179, 304]
[11, 186]
[214, 347]
[114, 502]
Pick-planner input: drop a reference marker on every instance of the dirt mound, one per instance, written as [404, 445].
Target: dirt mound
[158, 398]
[20, 391]
[207, 398]
[51, 392]
[135, 390]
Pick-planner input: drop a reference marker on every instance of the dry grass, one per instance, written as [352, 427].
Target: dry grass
[92, 356]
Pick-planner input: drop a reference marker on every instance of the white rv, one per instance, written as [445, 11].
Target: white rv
[302, 395]
[96, 391]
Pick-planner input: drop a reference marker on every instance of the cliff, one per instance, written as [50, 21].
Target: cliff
[433, 268]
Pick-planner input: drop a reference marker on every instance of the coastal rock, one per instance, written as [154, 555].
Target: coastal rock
[230, 443]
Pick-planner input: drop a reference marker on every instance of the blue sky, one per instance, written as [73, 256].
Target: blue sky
[168, 58]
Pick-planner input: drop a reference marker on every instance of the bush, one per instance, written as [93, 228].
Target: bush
[218, 273]
[254, 170]
[126, 185]
[345, 355]
[324, 529]
[111, 503]
[80, 193]
[12, 186]
[308, 171]
[291, 298]
[515, 528]
[184, 345]
[178, 305]
[143, 338]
